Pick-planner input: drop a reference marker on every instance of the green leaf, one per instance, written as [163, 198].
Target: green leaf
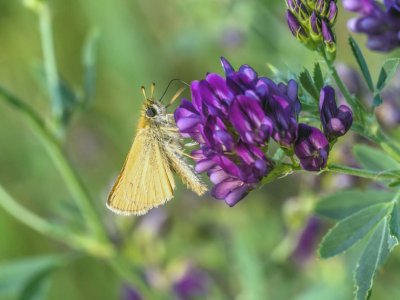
[342, 204]
[374, 159]
[373, 256]
[16, 276]
[89, 57]
[279, 171]
[352, 229]
[37, 287]
[394, 183]
[318, 77]
[361, 63]
[387, 72]
[308, 84]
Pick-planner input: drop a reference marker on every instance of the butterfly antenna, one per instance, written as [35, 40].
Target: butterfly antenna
[177, 94]
[144, 92]
[172, 80]
[152, 87]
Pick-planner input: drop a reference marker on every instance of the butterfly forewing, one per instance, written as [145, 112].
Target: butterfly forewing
[146, 180]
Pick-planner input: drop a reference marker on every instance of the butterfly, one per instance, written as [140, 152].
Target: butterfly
[146, 179]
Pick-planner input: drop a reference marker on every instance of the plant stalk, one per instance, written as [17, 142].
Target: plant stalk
[50, 64]
[78, 242]
[362, 173]
[77, 189]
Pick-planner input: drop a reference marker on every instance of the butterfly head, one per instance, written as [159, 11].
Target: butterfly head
[154, 112]
[153, 109]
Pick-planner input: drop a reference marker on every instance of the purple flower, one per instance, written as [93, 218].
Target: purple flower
[312, 148]
[336, 121]
[192, 285]
[232, 119]
[380, 22]
[307, 241]
[249, 120]
[284, 119]
[359, 6]
[392, 5]
[130, 293]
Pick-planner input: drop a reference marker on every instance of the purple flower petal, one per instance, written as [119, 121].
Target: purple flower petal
[250, 121]
[231, 190]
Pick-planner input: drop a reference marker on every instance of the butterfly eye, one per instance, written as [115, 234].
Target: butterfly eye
[150, 112]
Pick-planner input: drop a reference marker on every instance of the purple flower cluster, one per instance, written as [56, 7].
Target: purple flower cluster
[381, 22]
[234, 118]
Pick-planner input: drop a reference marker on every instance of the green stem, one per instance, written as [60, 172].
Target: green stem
[77, 189]
[358, 108]
[362, 173]
[56, 232]
[50, 61]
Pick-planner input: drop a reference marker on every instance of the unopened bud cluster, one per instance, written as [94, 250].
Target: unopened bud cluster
[312, 21]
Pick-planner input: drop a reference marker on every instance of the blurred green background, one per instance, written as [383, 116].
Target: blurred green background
[245, 251]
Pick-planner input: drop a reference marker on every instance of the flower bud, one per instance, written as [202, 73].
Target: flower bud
[321, 7]
[332, 13]
[315, 24]
[312, 148]
[336, 121]
[329, 40]
[296, 28]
